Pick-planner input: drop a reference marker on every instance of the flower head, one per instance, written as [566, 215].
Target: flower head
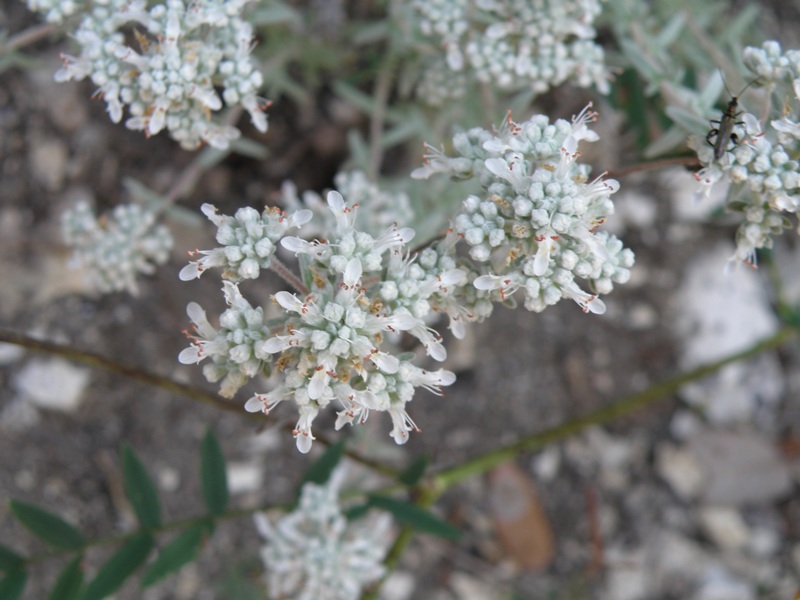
[248, 242]
[169, 74]
[116, 248]
[315, 553]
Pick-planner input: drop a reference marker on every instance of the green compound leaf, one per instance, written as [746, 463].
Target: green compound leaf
[213, 474]
[12, 585]
[321, 470]
[48, 527]
[9, 559]
[140, 489]
[68, 586]
[418, 518]
[414, 472]
[119, 567]
[180, 551]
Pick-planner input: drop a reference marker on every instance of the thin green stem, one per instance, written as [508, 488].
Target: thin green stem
[481, 464]
[119, 368]
[383, 85]
[146, 377]
[433, 487]
[427, 496]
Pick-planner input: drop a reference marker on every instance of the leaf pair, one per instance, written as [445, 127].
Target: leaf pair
[134, 550]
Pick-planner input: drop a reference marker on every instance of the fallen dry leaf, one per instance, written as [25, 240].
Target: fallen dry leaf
[520, 521]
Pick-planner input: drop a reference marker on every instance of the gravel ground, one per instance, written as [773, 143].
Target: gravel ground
[692, 498]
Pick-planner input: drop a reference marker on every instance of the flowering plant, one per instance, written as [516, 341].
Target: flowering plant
[386, 268]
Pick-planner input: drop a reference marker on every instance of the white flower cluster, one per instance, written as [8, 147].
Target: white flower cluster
[535, 228]
[166, 63]
[762, 161]
[377, 208]
[115, 249]
[232, 347]
[331, 343]
[510, 44]
[55, 11]
[315, 553]
[248, 242]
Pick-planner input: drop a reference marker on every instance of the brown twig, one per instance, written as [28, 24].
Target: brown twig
[126, 370]
[143, 376]
[28, 36]
[663, 163]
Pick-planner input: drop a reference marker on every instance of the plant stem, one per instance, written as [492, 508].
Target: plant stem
[286, 274]
[449, 477]
[436, 485]
[383, 85]
[146, 377]
[687, 161]
[119, 368]
[27, 36]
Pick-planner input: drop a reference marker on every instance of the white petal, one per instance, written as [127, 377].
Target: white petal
[352, 272]
[304, 441]
[596, 306]
[437, 351]
[190, 271]
[541, 261]
[301, 217]
[275, 344]
[288, 301]
[452, 277]
[295, 244]
[196, 313]
[335, 201]
[386, 362]
[190, 356]
[406, 234]
[446, 377]
[486, 282]
[254, 404]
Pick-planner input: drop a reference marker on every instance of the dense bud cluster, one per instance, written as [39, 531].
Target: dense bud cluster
[509, 44]
[165, 63]
[535, 226]
[117, 248]
[764, 159]
[316, 553]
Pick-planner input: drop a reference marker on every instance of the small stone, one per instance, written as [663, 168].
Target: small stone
[398, 586]
[685, 424]
[244, 477]
[627, 577]
[169, 479]
[680, 469]
[547, 463]
[739, 468]
[468, 587]
[10, 353]
[725, 526]
[48, 163]
[642, 316]
[796, 557]
[764, 542]
[720, 585]
[679, 560]
[53, 384]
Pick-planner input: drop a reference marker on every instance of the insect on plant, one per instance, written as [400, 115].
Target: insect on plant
[720, 136]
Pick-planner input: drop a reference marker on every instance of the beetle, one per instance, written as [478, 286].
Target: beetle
[724, 133]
